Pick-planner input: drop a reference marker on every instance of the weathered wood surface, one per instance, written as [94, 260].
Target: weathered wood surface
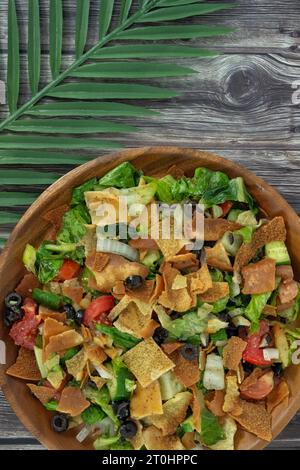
[239, 105]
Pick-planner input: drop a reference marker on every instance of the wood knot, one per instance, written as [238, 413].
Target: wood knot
[243, 87]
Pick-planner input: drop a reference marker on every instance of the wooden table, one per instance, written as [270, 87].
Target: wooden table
[239, 105]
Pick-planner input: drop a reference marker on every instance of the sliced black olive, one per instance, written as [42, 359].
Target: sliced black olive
[79, 314]
[232, 331]
[12, 315]
[128, 429]
[277, 369]
[189, 351]
[121, 409]
[70, 311]
[13, 300]
[60, 422]
[248, 368]
[91, 384]
[160, 335]
[134, 282]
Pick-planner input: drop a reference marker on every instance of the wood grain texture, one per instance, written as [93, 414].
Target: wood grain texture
[239, 105]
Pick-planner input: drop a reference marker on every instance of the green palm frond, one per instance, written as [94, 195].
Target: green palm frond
[44, 129]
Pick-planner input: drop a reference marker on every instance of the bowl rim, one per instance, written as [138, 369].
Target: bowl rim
[47, 196]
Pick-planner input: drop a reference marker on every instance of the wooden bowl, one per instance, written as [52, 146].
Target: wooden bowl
[32, 227]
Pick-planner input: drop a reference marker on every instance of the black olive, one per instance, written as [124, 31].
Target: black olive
[268, 338]
[60, 422]
[12, 315]
[224, 316]
[248, 368]
[79, 314]
[160, 335]
[91, 384]
[277, 369]
[175, 315]
[70, 311]
[121, 409]
[13, 300]
[189, 351]
[128, 429]
[134, 282]
[231, 331]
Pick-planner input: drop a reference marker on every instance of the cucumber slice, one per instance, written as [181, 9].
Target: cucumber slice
[278, 251]
[117, 385]
[39, 360]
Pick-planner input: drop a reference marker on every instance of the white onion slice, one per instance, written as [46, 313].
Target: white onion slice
[271, 354]
[118, 248]
[84, 433]
[103, 372]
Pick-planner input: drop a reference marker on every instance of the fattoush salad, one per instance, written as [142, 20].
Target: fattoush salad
[142, 343]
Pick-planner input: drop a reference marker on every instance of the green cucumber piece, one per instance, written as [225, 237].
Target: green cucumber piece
[278, 252]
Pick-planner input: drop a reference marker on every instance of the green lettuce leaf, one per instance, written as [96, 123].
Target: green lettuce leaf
[120, 339]
[292, 313]
[187, 326]
[255, 308]
[47, 264]
[78, 193]
[211, 430]
[73, 226]
[101, 398]
[123, 176]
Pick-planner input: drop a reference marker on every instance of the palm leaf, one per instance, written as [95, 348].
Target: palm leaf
[131, 70]
[34, 45]
[8, 199]
[36, 157]
[154, 33]
[82, 24]
[9, 217]
[55, 31]
[143, 51]
[68, 126]
[32, 142]
[106, 11]
[124, 10]
[13, 58]
[87, 108]
[17, 177]
[2, 242]
[180, 12]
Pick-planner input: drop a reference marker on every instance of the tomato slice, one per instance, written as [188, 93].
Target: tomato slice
[69, 270]
[253, 353]
[98, 309]
[24, 332]
[226, 206]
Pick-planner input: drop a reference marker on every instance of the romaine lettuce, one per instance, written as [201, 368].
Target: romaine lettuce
[211, 430]
[255, 308]
[123, 176]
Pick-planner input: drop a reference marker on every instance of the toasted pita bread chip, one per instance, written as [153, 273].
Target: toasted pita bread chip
[273, 231]
[143, 244]
[233, 353]
[259, 277]
[137, 441]
[62, 342]
[97, 261]
[188, 440]
[27, 284]
[196, 408]
[270, 310]
[219, 290]
[132, 321]
[72, 401]
[218, 257]
[255, 419]
[180, 299]
[232, 394]
[201, 280]
[86, 334]
[174, 412]
[214, 401]
[154, 440]
[147, 362]
[143, 293]
[95, 354]
[107, 198]
[44, 394]
[149, 329]
[214, 229]
[251, 379]
[73, 290]
[146, 401]
[76, 365]
[119, 290]
[230, 429]
[180, 282]
[44, 313]
[89, 241]
[158, 289]
[186, 372]
[25, 366]
[52, 327]
[185, 261]
[117, 269]
[98, 381]
[169, 348]
[278, 395]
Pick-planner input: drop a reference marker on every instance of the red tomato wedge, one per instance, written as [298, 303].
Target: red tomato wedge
[69, 270]
[24, 332]
[98, 309]
[253, 353]
[226, 206]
